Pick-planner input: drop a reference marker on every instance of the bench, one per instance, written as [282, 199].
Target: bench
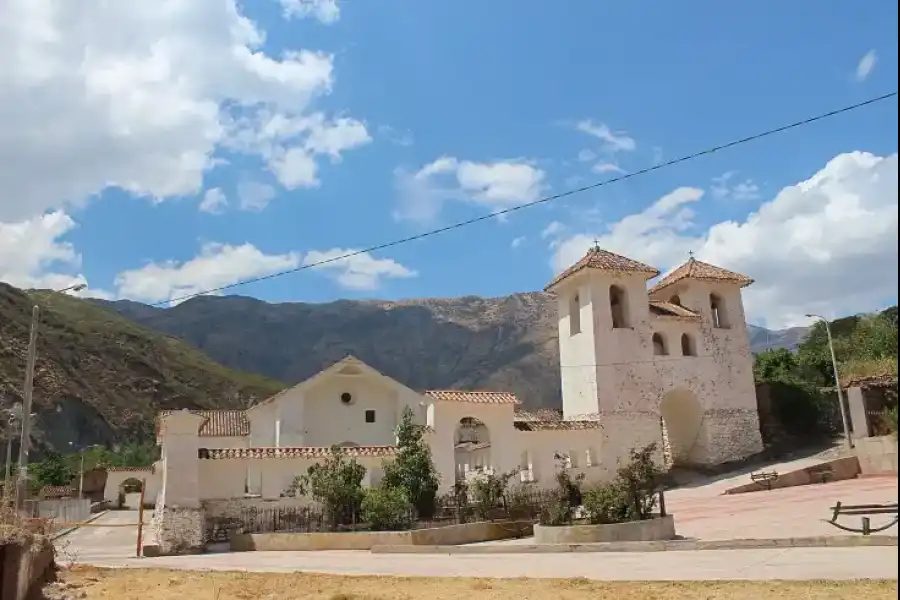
[865, 511]
[764, 478]
[821, 473]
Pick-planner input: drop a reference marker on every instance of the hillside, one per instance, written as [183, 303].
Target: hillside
[100, 378]
[507, 343]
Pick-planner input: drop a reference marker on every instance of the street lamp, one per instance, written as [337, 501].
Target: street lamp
[837, 379]
[25, 441]
[81, 468]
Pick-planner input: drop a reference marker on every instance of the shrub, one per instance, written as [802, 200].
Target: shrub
[631, 496]
[489, 490]
[336, 484]
[890, 420]
[567, 497]
[387, 508]
[413, 469]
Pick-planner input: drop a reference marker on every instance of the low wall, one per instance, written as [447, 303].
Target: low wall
[877, 455]
[451, 535]
[656, 529]
[841, 468]
[24, 568]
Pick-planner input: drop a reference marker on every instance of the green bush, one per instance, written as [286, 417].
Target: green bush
[631, 496]
[488, 490]
[567, 497]
[386, 508]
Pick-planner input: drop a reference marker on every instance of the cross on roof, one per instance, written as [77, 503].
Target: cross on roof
[691, 253]
[596, 245]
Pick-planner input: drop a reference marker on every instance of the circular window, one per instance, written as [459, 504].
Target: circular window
[346, 398]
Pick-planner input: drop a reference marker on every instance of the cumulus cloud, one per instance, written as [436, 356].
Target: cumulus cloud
[32, 255]
[612, 141]
[213, 202]
[360, 272]
[493, 185]
[112, 94]
[725, 187]
[216, 265]
[825, 245]
[866, 65]
[254, 196]
[326, 11]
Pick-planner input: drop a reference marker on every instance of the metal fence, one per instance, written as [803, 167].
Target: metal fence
[449, 510]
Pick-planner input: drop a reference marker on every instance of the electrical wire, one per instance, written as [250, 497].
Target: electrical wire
[544, 200]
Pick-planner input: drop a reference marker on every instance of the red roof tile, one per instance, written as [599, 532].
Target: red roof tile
[220, 423]
[670, 309]
[696, 269]
[603, 260]
[473, 397]
[295, 452]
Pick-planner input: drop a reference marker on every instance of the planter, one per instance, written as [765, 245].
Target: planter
[655, 529]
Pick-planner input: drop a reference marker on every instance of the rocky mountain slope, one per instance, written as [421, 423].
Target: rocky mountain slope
[507, 343]
[100, 378]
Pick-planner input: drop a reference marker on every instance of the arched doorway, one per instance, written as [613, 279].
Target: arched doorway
[130, 493]
[471, 447]
[681, 417]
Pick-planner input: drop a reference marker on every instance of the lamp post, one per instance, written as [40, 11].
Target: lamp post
[81, 467]
[25, 441]
[837, 380]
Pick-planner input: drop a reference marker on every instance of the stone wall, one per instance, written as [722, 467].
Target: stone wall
[25, 566]
[877, 455]
[175, 531]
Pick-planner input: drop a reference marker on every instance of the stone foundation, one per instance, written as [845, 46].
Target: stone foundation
[175, 531]
[732, 434]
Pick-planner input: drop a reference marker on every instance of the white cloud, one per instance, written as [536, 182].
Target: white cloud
[517, 242]
[141, 97]
[553, 228]
[216, 265]
[613, 141]
[290, 145]
[724, 187]
[496, 185]
[326, 11]
[254, 196]
[361, 272]
[866, 65]
[825, 245]
[605, 167]
[214, 201]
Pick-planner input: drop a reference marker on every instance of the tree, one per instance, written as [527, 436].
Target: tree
[336, 484]
[52, 470]
[777, 364]
[413, 468]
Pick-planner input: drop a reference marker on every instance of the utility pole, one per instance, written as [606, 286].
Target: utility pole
[25, 443]
[837, 380]
[21, 480]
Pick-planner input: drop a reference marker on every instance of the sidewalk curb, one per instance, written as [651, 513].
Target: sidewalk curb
[841, 541]
[69, 530]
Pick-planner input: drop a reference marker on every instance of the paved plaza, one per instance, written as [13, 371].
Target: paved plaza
[701, 512]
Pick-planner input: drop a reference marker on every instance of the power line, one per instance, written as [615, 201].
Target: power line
[623, 177]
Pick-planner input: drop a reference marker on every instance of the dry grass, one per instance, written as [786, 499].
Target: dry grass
[149, 584]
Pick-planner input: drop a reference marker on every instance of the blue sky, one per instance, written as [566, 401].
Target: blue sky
[525, 83]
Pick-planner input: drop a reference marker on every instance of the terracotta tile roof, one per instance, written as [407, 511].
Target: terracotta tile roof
[670, 309]
[472, 397]
[57, 491]
[541, 414]
[565, 425]
[697, 269]
[130, 469]
[604, 260]
[550, 419]
[296, 452]
[219, 423]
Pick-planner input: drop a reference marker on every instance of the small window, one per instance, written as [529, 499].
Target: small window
[688, 346]
[659, 345]
[370, 416]
[717, 309]
[346, 398]
[618, 304]
[574, 315]
[573, 459]
[589, 458]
